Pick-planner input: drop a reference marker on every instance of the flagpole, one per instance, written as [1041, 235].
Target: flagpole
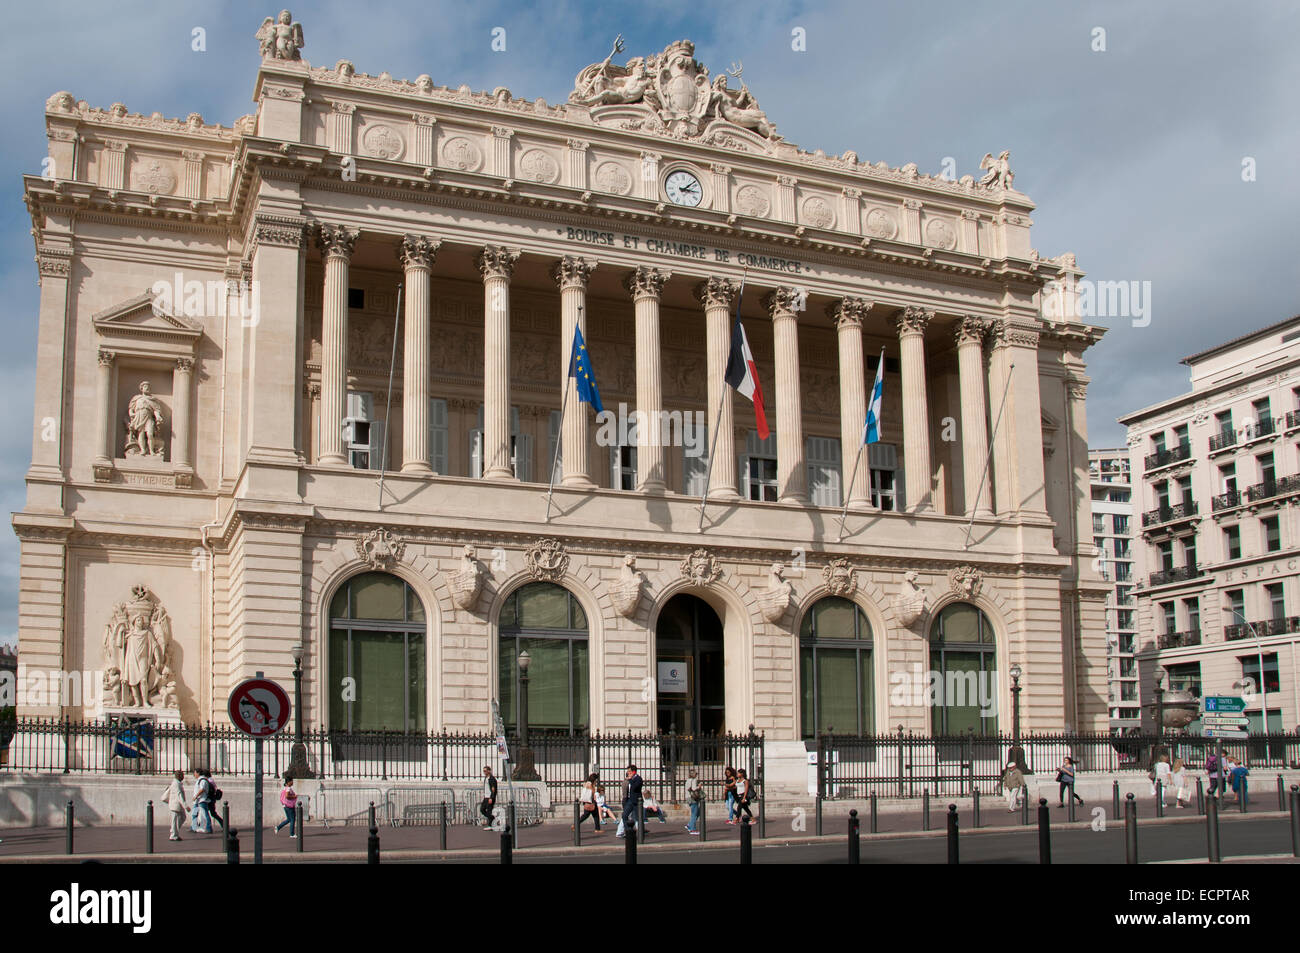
[722, 400]
[848, 491]
[988, 464]
[559, 435]
[388, 412]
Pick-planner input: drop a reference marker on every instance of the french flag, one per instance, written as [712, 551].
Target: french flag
[743, 375]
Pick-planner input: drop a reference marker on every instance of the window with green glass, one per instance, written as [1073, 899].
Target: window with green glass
[377, 633]
[548, 622]
[964, 662]
[835, 669]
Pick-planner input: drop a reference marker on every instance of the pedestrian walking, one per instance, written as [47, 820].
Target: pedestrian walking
[1065, 778]
[288, 801]
[489, 802]
[590, 807]
[729, 788]
[201, 812]
[694, 794]
[1013, 785]
[1215, 773]
[214, 798]
[1159, 775]
[744, 795]
[631, 799]
[1178, 774]
[174, 798]
[1237, 780]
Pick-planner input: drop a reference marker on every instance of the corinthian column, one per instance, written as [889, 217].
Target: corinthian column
[497, 263]
[182, 385]
[416, 254]
[645, 285]
[718, 295]
[335, 244]
[791, 470]
[911, 326]
[847, 314]
[572, 273]
[106, 449]
[974, 416]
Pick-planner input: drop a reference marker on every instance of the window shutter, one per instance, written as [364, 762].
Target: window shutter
[438, 435]
[824, 480]
[695, 470]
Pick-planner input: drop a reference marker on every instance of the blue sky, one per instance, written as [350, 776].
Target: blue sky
[1133, 155]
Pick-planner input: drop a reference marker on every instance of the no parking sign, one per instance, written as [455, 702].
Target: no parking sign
[259, 707]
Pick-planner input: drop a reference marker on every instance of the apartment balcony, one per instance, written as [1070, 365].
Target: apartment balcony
[1224, 440]
[1282, 626]
[1225, 501]
[1169, 514]
[1178, 640]
[1164, 577]
[1292, 419]
[1164, 458]
[1270, 489]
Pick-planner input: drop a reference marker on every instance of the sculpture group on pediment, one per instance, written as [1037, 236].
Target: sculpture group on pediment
[144, 425]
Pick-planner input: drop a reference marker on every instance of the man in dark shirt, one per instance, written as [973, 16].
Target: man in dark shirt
[489, 796]
[631, 801]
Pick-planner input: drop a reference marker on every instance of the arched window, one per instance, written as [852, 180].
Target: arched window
[963, 656]
[546, 620]
[377, 629]
[835, 669]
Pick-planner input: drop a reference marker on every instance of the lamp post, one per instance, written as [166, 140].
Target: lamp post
[1016, 672]
[1263, 683]
[524, 769]
[298, 753]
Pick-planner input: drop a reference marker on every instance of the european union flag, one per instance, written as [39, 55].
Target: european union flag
[580, 368]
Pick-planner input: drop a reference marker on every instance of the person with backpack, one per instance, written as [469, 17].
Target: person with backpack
[202, 810]
[289, 801]
[214, 798]
[1215, 774]
[744, 794]
[174, 798]
[489, 801]
[694, 794]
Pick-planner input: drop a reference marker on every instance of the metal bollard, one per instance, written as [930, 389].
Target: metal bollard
[442, 828]
[232, 846]
[514, 828]
[641, 825]
[1114, 798]
[372, 843]
[577, 822]
[819, 814]
[1200, 796]
[1242, 796]
[1160, 799]
[1024, 804]
[148, 828]
[746, 843]
[875, 815]
[69, 819]
[925, 809]
[1295, 820]
[507, 846]
[1212, 830]
[704, 819]
[1044, 833]
[1070, 795]
[1130, 830]
[299, 816]
[1281, 793]
[855, 850]
[952, 834]
[629, 844]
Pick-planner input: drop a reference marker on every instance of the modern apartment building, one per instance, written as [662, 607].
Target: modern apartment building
[1112, 537]
[1216, 477]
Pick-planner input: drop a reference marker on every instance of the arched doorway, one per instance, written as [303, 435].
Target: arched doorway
[377, 631]
[691, 685]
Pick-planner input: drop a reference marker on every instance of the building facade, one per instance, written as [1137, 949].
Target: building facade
[1112, 539]
[240, 326]
[1215, 473]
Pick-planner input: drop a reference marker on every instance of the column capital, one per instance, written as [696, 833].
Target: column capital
[54, 262]
[106, 357]
[848, 312]
[785, 301]
[185, 364]
[335, 241]
[913, 320]
[284, 231]
[571, 271]
[1076, 388]
[716, 291]
[971, 329]
[1006, 334]
[646, 282]
[497, 261]
[418, 251]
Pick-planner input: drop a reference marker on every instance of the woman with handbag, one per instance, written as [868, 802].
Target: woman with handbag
[590, 808]
[174, 798]
[289, 801]
[1065, 778]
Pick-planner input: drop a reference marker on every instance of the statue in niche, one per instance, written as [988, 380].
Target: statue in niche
[137, 652]
[144, 422]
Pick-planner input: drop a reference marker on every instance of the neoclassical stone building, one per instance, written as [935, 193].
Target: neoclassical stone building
[265, 280]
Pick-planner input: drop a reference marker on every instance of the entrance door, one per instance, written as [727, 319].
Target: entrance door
[691, 684]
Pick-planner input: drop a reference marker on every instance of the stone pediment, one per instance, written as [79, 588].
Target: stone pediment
[671, 93]
[141, 325]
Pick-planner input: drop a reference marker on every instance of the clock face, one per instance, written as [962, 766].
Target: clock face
[683, 188]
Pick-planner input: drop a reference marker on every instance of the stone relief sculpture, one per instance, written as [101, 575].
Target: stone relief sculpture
[138, 670]
[466, 581]
[775, 599]
[841, 578]
[701, 568]
[144, 423]
[909, 604]
[965, 581]
[604, 83]
[547, 560]
[999, 174]
[625, 592]
[281, 38]
[380, 548]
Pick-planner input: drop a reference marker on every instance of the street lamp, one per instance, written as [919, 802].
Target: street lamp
[524, 769]
[298, 753]
[1016, 672]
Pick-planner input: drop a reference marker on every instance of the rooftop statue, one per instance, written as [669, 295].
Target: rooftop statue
[281, 38]
[999, 174]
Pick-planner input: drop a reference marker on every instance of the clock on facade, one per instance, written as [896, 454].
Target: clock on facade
[683, 188]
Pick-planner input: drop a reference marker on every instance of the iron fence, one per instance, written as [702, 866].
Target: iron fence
[899, 765]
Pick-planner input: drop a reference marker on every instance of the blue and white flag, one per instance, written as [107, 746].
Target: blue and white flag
[871, 430]
[580, 369]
